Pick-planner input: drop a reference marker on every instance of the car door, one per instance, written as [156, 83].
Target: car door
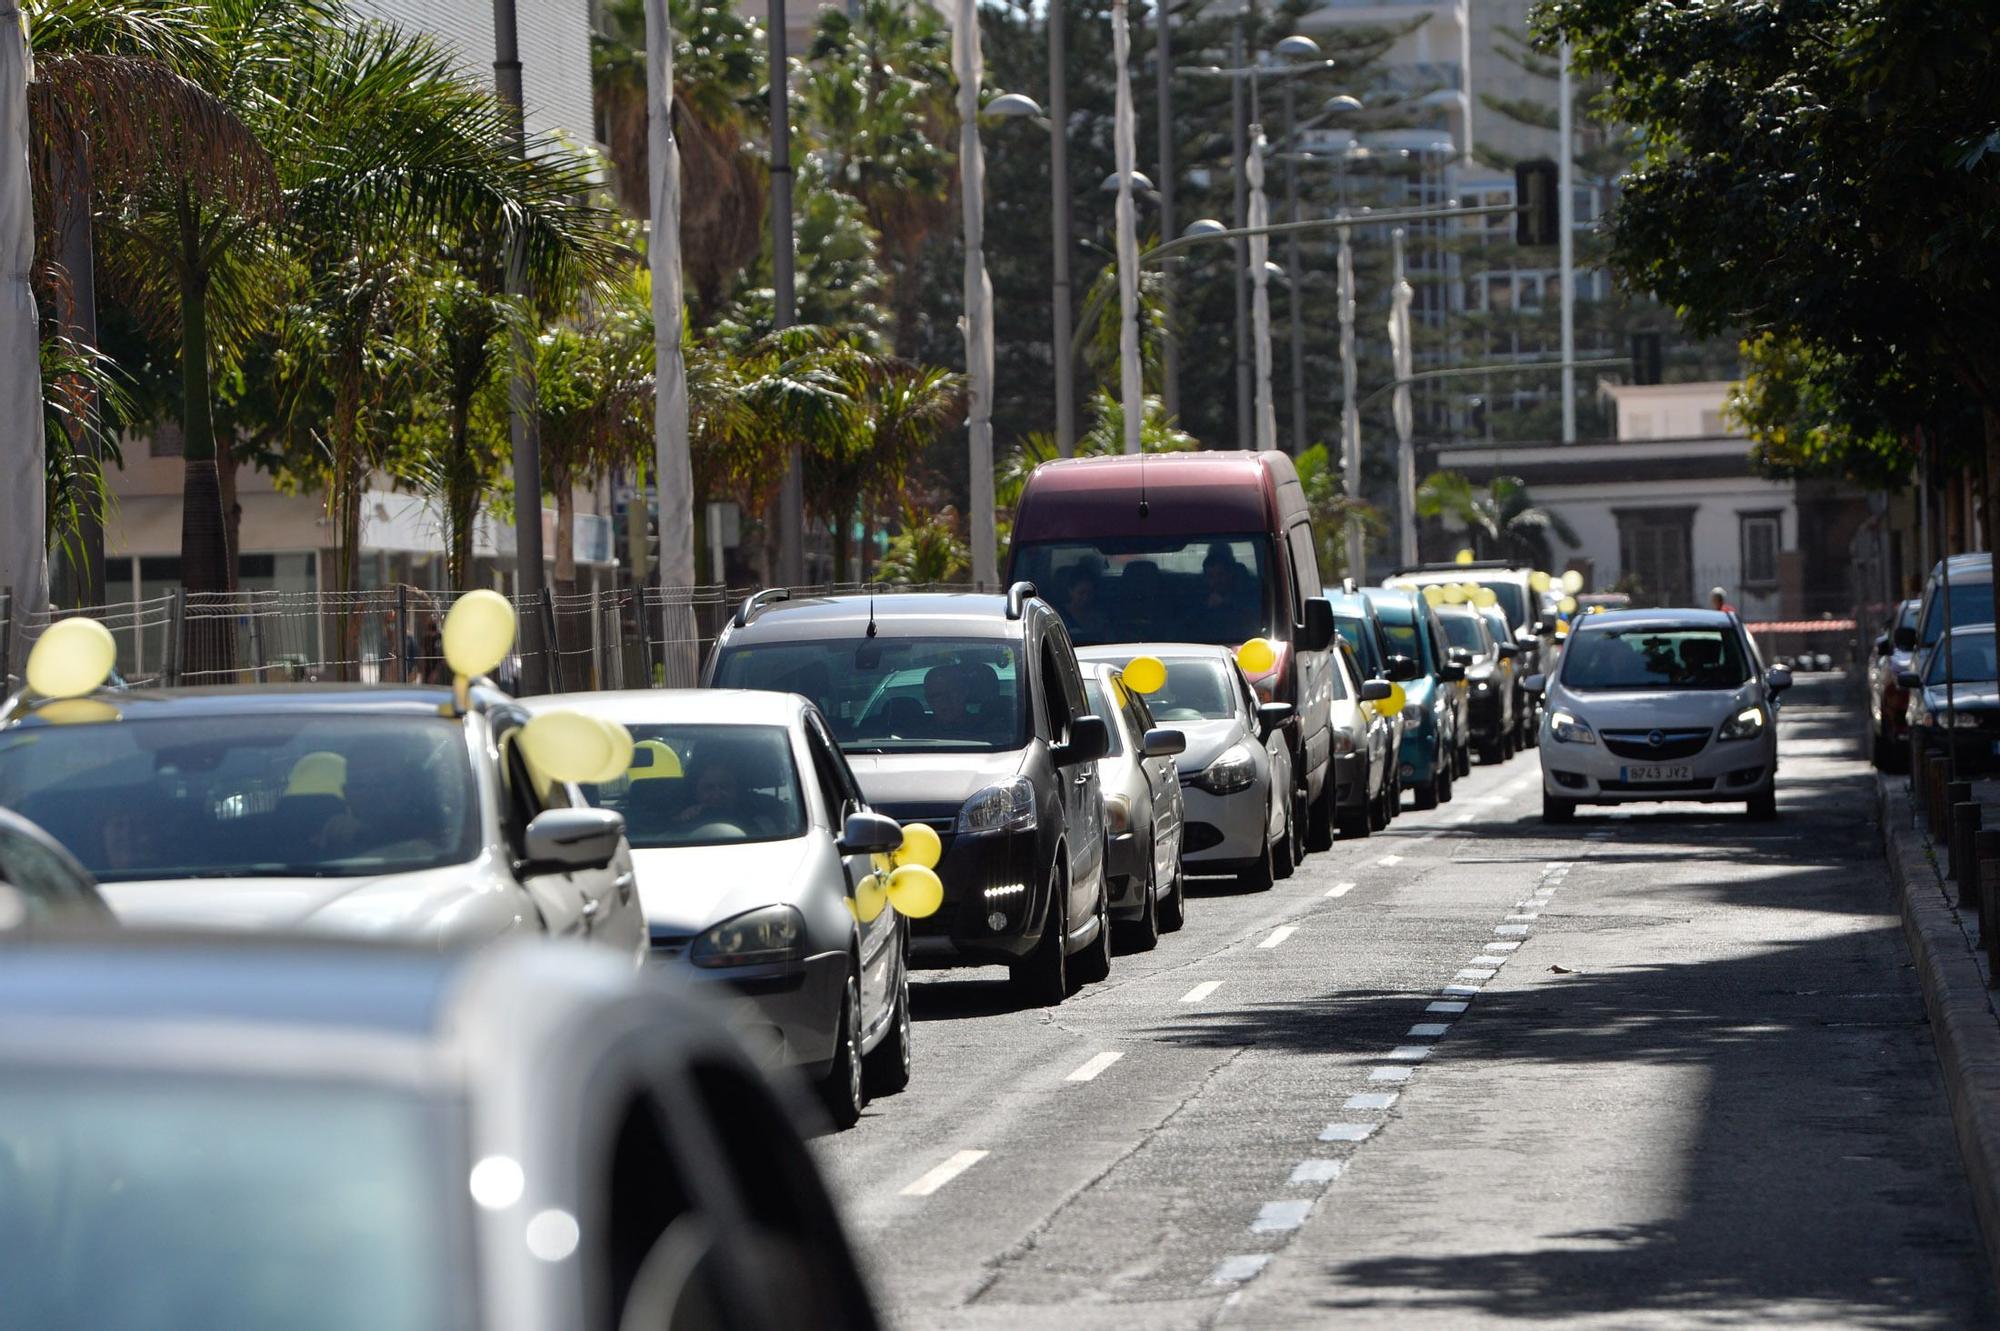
[1314, 669]
[1164, 783]
[558, 897]
[881, 937]
[1082, 798]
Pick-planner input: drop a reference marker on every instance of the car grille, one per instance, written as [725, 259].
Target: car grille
[1640, 787]
[1200, 836]
[1639, 743]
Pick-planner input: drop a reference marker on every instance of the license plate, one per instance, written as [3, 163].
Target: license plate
[1657, 772]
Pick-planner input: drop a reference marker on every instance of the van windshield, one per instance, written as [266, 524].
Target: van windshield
[1156, 589]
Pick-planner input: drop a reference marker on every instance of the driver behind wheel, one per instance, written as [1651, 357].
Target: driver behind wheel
[723, 794]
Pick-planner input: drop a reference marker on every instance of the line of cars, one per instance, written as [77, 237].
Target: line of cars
[1923, 700]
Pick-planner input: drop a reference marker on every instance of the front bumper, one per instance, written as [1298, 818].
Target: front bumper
[1225, 830]
[1722, 770]
[1351, 781]
[786, 1013]
[1487, 714]
[987, 876]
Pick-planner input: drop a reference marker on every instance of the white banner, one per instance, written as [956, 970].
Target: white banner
[1260, 308]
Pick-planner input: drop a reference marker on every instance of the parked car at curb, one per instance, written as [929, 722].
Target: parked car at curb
[966, 712]
[1145, 815]
[1235, 770]
[202, 1131]
[1363, 756]
[1888, 700]
[1659, 705]
[1970, 579]
[377, 811]
[1489, 680]
[1434, 742]
[749, 835]
[1360, 626]
[1954, 702]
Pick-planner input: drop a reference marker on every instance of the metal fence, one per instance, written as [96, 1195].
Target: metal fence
[626, 637]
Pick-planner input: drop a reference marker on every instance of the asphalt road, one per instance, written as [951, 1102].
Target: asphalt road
[1691, 1083]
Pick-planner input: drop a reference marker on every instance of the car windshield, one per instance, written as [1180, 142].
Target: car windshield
[1399, 627]
[1655, 658]
[1355, 630]
[1197, 689]
[1971, 604]
[1463, 631]
[1972, 661]
[706, 786]
[1496, 624]
[275, 794]
[1513, 601]
[896, 695]
[163, 1205]
[1100, 707]
[1156, 589]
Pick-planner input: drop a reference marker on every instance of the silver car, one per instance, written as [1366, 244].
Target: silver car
[749, 835]
[1144, 812]
[1236, 772]
[374, 811]
[1659, 705]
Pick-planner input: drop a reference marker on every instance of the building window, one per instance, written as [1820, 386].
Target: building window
[1761, 533]
[1653, 552]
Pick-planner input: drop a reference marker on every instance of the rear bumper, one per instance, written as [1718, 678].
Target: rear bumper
[1352, 781]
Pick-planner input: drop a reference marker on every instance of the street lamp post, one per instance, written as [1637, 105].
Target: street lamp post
[978, 316]
[523, 422]
[1060, 227]
[784, 298]
[1170, 356]
[1131, 385]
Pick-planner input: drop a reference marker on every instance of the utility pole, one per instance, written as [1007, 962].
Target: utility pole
[792, 495]
[1294, 276]
[1239, 127]
[1350, 409]
[969, 64]
[523, 424]
[1060, 227]
[1566, 243]
[1170, 354]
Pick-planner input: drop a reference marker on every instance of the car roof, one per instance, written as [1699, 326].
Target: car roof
[262, 699]
[1478, 571]
[1462, 608]
[1197, 495]
[1691, 617]
[729, 707]
[1976, 565]
[1120, 653]
[894, 614]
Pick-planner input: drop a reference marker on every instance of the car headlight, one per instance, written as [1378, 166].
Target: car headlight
[1567, 729]
[1746, 724]
[1343, 742]
[1117, 814]
[1231, 772]
[1007, 807]
[767, 934]
[1965, 720]
[1482, 686]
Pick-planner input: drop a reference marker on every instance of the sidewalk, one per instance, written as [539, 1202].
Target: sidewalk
[1955, 979]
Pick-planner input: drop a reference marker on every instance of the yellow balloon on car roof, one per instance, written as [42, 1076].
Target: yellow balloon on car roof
[1485, 597]
[72, 657]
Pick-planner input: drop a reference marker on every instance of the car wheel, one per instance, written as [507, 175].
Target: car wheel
[1447, 772]
[1323, 819]
[841, 1090]
[1042, 977]
[1883, 753]
[1495, 752]
[1173, 908]
[1557, 810]
[1463, 765]
[1380, 809]
[1143, 934]
[1284, 856]
[1258, 875]
[1764, 806]
[1094, 962]
[1430, 793]
[887, 1070]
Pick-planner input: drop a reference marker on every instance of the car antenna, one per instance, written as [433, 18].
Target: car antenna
[871, 614]
[1142, 484]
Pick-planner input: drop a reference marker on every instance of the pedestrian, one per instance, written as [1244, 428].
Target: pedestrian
[1720, 600]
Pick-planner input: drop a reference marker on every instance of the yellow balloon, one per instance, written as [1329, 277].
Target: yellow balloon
[1395, 702]
[1434, 593]
[478, 633]
[1452, 594]
[76, 712]
[1562, 628]
[920, 846]
[1463, 557]
[1259, 656]
[1572, 581]
[1145, 674]
[1567, 605]
[869, 899]
[882, 864]
[915, 891]
[72, 657]
[622, 750]
[1539, 581]
[661, 764]
[568, 746]
[1485, 597]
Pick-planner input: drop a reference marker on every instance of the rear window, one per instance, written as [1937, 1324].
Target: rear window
[1111, 589]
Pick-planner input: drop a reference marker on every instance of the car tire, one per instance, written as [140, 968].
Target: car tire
[1427, 796]
[1361, 821]
[1173, 908]
[1380, 810]
[1042, 977]
[843, 1090]
[1557, 810]
[1285, 855]
[886, 1069]
[1143, 934]
[1257, 876]
[1093, 964]
[1763, 807]
[1495, 752]
[1462, 766]
[1446, 777]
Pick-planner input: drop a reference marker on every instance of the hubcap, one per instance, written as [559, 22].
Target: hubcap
[853, 1041]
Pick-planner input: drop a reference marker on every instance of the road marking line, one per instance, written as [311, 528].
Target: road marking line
[1347, 1132]
[1371, 1100]
[1280, 1217]
[1524, 915]
[944, 1174]
[1447, 1009]
[1493, 963]
[1340, 889]
[1316, 1171]
[1279, 935]
[1510, 930]
[1201, 991]
[1429, 1030]
[1394, 1072]
[1236, 1270]
[1411, 1053]
[1473, 973]
[1502, 947]
[1388, 861]
[1460, 990]
[1468, 818]
[1492, 799]
[1089, 1071]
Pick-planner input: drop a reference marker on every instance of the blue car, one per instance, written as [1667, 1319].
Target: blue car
[1436, 743]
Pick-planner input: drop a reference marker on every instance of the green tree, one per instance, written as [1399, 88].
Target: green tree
[1500, 518]
[927, 550]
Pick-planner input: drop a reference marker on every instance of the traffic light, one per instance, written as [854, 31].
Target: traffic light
[1648, 355]
[1535, 193]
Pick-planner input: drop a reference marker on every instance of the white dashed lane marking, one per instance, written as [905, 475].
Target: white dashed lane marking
[1236, 1270]
[1391, 1073]
[1370, 1100]
[1347, 1132]
[943, 1174]
[1502, 947]
[1280, 1217]
[1410, 1053]
[1279, 935]
[1388, 861]
[1089, 1071]
[1340, 889]
[1316, 1171]
[1430, 1030]
[1201, 991]
[1447, 1009]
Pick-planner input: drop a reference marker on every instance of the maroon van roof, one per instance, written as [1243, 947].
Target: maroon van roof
[1186, 494]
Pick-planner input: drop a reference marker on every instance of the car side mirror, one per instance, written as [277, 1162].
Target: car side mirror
[870, 834]
[1272, 715]
[1375, 690]
[1536, 684]
[1883, 646]
[1906, 679]
[1089, 740]
[1905, 638]
[1508, 650]
[1459, 655]
[1316, 634]
[1545, 626]
[1777, 679]
[1163, 743]
[1451, 671]
[1403, 669]
[567, 840]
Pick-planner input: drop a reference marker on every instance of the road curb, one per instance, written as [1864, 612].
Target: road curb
[1963, 1021]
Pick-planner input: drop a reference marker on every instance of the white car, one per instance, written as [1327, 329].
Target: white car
[1144, 811]
[749, 835]
[382, 812]
[1236, 772]
[1659, 705]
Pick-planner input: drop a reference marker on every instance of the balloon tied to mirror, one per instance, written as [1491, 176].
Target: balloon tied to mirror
[905, 881]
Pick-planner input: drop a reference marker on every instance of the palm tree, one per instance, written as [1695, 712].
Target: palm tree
[1333, 510]
[927, 550]
[900, 410]
[1500, 519]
